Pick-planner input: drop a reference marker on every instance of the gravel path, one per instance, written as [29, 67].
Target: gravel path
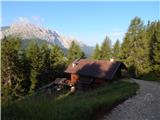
[144, 106]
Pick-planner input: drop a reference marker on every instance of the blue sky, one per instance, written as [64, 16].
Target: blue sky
[88, 22]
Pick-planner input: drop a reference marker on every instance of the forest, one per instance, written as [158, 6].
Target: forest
[24, 70]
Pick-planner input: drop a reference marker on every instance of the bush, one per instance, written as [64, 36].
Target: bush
[151, 77]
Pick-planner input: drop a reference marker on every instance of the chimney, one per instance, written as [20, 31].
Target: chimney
[111, 60]
[73, 65]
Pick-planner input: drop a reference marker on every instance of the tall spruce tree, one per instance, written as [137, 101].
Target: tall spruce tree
[74, 52]
[15, 81]
[96, 53]
[125, 49]
[155, 46]
[44, 72]
[142, 62]
[106, 49]
[35, 59]
[116, 50]
[130, 44]
[58, 61]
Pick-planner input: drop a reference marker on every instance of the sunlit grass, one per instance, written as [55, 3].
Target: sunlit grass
[78, 106]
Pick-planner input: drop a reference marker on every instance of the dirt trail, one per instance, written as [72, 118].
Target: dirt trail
[144, 106]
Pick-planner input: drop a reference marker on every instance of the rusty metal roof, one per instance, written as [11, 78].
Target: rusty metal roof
[95, 68]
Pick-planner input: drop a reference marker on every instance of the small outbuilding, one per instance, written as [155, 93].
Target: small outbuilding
[85, 72]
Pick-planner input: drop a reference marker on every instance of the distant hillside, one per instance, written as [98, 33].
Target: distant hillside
[4, 28]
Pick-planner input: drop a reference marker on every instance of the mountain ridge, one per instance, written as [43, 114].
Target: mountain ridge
[31, 31]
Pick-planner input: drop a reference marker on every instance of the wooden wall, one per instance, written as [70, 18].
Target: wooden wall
[100, 81]
[86, 81]
[74, 79]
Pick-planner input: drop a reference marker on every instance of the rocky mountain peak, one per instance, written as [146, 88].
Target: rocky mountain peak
[27, 30]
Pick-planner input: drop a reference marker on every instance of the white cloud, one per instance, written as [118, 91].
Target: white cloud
[33, 19]
[37, 19]
[23, 19]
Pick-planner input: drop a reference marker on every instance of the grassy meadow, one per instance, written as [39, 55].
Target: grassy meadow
[67, 106]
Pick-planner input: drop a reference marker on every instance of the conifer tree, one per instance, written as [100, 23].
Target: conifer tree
[155, 46]
[130, 44]
[106, 49]
[74, 52]
[58, 61]
[35, 59]
[116, 51]
[44, 72]
[15, 82]
[96, 53]
[142, 62]
[125, 49]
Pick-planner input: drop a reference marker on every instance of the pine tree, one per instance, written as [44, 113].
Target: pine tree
[135, 27]
[15, 82]
[96, 53]
[155, 47]
[47, 63]
[44, 72]
[24, 74]
[142, 62]
[106, 49]
[116, 50]
[125, 49]
[131, 43]
[35, 59]
[74, 52]
[10, 47]
[58, 61]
